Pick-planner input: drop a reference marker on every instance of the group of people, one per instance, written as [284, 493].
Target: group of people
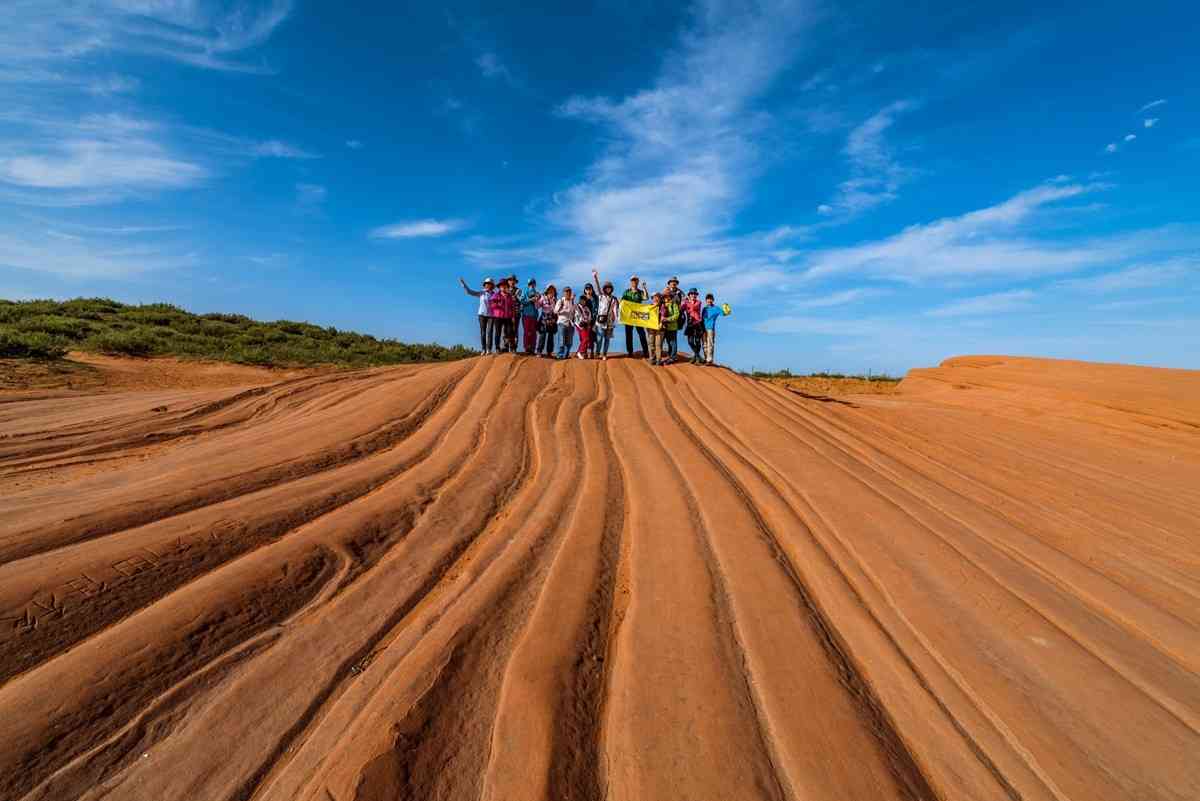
[546, 316]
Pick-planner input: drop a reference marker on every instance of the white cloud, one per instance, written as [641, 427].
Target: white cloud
[998, 242]
[842, 298]
[273, 148]
[1111, 147]
[491, 67]
[1130, 137]
[875, 174]
[417, 228]
[1150, 122]
[108, 156]
[681, 154]
[354, 144]
[995, 303]
[1151, 104]
[113, 85]
[204, 34]
[83, 257]
[1139, 276]
[310, 195]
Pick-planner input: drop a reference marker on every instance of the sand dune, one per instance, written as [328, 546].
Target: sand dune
[514, 579]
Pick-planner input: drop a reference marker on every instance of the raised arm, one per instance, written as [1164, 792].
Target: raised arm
[472, 292]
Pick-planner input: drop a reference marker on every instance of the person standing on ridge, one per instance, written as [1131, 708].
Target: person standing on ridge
[693, 320]
[529, 316]
[584, 318]
[589, 295]
[608, 308]
[485, 312]
[547, 321]
[635, 294]
[711, 313]
[564, 311]
[499, 304]
[656, 334]
[514, 313]
[668, 316]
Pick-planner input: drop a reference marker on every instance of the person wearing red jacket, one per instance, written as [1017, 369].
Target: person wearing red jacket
[693, 320]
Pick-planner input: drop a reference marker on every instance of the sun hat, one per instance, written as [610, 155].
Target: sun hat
[488, 281]
[607, 285]
[673, 280]
[693, 291]
[634, 278]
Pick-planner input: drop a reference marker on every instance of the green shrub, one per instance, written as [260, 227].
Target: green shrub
[125, 343]
[46, 328]
[30, 345]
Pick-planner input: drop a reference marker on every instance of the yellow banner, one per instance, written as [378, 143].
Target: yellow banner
[640, 314]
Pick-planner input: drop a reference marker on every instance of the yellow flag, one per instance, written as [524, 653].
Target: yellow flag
[640, 314]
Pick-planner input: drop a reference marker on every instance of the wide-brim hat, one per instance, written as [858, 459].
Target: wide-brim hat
[489, 281]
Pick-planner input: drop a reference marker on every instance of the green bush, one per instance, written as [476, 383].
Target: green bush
[46, 328]
[124, 343]
[30, 345]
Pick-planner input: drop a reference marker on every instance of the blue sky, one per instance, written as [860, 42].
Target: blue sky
[870, 185]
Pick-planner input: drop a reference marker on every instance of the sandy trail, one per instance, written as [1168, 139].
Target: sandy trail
[514, 579]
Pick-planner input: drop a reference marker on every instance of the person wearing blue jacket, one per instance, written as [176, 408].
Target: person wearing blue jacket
[709, 315]
[529, 316]
[485, 311]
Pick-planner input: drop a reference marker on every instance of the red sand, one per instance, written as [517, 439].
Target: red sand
[515, 579]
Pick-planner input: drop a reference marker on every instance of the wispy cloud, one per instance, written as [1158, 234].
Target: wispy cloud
[994, 303]
[1151, 104]
[204, 34]
[1111, 147]
[842, 298]
[417, 228]
[274, 148]
[998, 242]
[1140, 276]
[1150, 122]
[490, 66]
[113, 85]
[310, 196]
[105, 156]
[1130, 137]
[82, 257]
[875, 174]
[681, 154]
[354, 144]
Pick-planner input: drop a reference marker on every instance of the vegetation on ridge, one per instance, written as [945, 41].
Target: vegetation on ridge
[48, 329]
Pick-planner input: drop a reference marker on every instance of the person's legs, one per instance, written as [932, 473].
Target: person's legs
[585, 335]
[606, 335]
[672, 344]
[484, 345]
[641, 332]
[710, 345]
[629, 339]
[529, 325]
[567, 332]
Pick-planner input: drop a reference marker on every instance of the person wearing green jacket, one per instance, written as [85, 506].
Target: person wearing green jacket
[668, 313]
[635, 294]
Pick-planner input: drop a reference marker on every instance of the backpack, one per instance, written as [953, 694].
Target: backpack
[583, 313]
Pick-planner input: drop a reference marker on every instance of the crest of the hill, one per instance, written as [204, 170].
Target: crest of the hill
[48, 329]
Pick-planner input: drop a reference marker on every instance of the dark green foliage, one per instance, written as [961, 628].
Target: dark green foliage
[47, 329]
[30, 345]
[785, 373]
